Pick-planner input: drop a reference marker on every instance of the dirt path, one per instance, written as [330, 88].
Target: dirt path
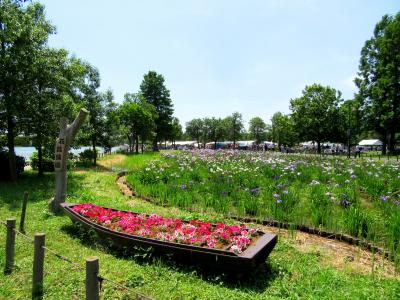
[111, 162]
[334, 253]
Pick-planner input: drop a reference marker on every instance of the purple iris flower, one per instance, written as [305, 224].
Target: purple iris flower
[255, 190]
[344, 203]
[384, 198]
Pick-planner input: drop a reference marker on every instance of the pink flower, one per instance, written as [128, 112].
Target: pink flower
[194, 232]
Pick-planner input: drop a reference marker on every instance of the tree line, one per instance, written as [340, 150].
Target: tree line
[320, 114]
[40, 84]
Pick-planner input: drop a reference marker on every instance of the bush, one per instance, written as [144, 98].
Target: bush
[86, 156]
[5, 168]
[47, 163]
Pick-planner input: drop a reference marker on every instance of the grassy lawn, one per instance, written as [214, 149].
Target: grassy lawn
[293, 270]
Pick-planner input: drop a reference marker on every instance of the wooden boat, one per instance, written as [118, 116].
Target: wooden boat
[256, 253]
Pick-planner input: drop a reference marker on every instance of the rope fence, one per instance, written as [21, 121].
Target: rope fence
[94, 281]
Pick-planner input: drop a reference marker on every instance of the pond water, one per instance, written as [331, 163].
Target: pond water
[26, 152]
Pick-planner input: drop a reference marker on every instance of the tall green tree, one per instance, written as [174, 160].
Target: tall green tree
[195, 129]
[176, 131]
[214, 129]
[138, 122]
[283, 129]
[153, 90]
[234, 127]
[316, 114]
[257, 129]
[24, 30]
[378, 80]
[49, 99]
[110, 134]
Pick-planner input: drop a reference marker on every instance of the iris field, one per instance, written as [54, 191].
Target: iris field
[360, 197]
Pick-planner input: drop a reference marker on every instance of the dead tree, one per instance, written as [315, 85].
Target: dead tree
[63, 143]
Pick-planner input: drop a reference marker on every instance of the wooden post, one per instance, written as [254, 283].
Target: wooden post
[10, 246]
[92, 282]
[38, 264]
[23, 213]
[66, 136]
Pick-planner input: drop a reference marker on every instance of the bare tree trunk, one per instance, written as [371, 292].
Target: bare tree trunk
[66, 136]
[137, 144]
[11, 150]
[384, 143]
[94, 150]
[155, 144]
[40, 160]
[392, 139]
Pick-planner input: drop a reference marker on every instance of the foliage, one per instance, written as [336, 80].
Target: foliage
[378, 80]
[86, 156]
[137, 120]
[257, 129]
[47, 162]
[213, 130]
[153, 90]
[283, 129]
[23, 33]
[316, 114]
[234, 126]
[176, 130]
[194, 129]
[5, 167]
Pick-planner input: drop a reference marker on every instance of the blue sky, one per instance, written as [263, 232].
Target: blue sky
[219, 56]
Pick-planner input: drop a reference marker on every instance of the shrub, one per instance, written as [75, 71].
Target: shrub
[5, 168]
[86, 156]
[47, 163]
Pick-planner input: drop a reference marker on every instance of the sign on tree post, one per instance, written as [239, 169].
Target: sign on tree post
[64, 141]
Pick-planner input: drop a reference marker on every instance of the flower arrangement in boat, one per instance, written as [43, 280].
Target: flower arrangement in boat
[234, 238]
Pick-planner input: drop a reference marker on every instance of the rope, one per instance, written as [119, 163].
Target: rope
[101, 279]
[24, 235]
[18, 232]
[63, 258]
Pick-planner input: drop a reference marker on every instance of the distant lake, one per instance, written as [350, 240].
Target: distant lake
[27, 152]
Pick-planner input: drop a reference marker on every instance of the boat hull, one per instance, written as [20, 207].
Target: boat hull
[225, 260]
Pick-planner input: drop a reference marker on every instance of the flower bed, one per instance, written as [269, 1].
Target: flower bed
[195, 232]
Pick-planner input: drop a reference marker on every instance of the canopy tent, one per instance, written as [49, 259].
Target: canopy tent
[370, 143]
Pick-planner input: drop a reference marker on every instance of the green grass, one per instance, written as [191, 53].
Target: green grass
[289, 272]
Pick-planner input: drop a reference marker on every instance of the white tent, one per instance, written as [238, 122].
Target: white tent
[370, 143]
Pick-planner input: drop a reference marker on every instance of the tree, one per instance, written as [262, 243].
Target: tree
[283, 129]
[316, 114]
[194, 129]
[48, 99]
[176, 131]
[153, 90]
[138, 122]
[234, 126]
[110, 133]
[214, 129]
[93, 102]
[23, 31]
[257, 129]
[378, 80]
